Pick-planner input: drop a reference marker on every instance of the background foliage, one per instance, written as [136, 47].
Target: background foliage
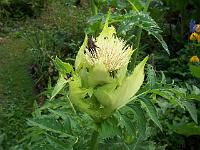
[166, 116]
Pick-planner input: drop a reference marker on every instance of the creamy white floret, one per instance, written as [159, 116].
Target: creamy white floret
[111, 51]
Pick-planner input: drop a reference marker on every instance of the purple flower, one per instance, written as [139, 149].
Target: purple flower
[192, 26]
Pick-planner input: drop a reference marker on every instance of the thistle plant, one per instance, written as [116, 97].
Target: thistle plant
[98, 106]
[100, 83]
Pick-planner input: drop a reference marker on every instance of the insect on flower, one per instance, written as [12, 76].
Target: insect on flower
[68, 76]
[91, 46]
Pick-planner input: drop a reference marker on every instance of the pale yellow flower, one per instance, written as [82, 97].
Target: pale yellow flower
[111, 51]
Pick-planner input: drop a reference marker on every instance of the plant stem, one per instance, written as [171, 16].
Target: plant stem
[93, 7]
[95, 140]
[134, 56]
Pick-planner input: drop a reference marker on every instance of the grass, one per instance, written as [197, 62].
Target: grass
[16, 86]
[16, 91]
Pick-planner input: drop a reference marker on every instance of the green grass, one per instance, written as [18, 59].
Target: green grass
[16, 91]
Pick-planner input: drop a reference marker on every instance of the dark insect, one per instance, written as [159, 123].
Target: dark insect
[91, 46]
[113, 73]
[68, 75]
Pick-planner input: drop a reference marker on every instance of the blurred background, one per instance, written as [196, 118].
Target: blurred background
[32, 32]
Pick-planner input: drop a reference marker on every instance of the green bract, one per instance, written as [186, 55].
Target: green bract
[100, 83]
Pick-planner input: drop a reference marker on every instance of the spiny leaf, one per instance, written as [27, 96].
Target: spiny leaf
[163, 80]
[109, 128]
[37, 112]
[144, 21]
[59, 85]
[60, 145]
[125, 121]
[136, 6]
[49, 124]
[66, 118]
[129, 125]
[187, 129]
[136, 19]
[195, 70]
[192, 109]
[140, 118]
[151, 110]
[151, 76]
[62, 67]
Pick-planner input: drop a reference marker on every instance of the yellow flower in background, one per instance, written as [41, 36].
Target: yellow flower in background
[195, 37]
[197, 28]
[194, 59]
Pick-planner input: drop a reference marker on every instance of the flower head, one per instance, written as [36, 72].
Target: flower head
[195, 37]
[101, 81]
[194, 59]
[111, 51]
[197, 28]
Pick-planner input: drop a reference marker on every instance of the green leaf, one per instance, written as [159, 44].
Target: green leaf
[62, 67]
[192, 109]
[193, 97]
[60, 112]
[99, 75]
[54, 104]
[151, 110]
[37, 112]
[49, 124]
[137, 5]
[65, 116]
[144, 21]
[151, 76]
[135, 19]
[2, 137]
[141, 144]
[187, 129]
[195, 70]
[58, 144]
[59, 86]
[140, 118]
[163, 80]
[77, 96]
[109, 128]
[115, 98]
[80, 57]
[131, 85]
[107, 31]
[195, 90]
[168, 95]
[128, 124]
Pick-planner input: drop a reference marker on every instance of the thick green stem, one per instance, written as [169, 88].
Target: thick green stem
[94, 140]
[134, 56]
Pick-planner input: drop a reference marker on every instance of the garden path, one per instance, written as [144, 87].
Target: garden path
[16, 90]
